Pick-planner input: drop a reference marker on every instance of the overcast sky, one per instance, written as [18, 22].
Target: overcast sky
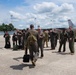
[46, 13]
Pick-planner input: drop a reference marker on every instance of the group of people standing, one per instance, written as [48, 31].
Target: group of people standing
[35, 40]
[67, 35]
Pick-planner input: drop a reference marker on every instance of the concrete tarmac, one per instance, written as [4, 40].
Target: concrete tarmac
[53, 63]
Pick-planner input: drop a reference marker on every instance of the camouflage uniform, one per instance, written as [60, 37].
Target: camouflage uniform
[63, 39]
[14, 39]
[40, 41]
[33, 48]
[52, 40]
[7, 40]
[71, 40]
[46, 38]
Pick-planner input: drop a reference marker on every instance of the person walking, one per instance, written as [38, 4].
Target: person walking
[31, 36]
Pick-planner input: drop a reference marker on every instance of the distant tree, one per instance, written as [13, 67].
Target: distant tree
[5, 27]
[11, 26]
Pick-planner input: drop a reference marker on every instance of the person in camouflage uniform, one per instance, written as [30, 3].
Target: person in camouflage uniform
[62, 40]
[52, 39]
[71, 40]
[7, 40]
[46, 37]
[14, 39]
[33, 48]
[40, 41]
[23, 38]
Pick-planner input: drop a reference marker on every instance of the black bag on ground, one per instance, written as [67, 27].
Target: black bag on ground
[8, 45]
[15, 47]
[20, 47]
[26, 58]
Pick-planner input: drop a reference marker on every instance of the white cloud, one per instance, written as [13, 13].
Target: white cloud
[30, 15]
[53, 8]
[16, 15]
[67, 1]
[20, 25]
[66, 7]
[55, 14]
[46, 14]
[45, 7]
[63, 18]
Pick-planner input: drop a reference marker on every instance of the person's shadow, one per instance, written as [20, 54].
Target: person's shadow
[17, 59]
[21, 66]
[62, 53]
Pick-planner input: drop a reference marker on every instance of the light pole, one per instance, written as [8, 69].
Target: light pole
[11, 18]
[35, 22]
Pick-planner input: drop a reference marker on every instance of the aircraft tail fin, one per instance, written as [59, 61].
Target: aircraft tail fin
[70, 23]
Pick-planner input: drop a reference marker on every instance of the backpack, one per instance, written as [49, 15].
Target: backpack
[31, 39]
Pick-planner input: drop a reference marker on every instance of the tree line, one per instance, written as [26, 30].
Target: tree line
[7, 27]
